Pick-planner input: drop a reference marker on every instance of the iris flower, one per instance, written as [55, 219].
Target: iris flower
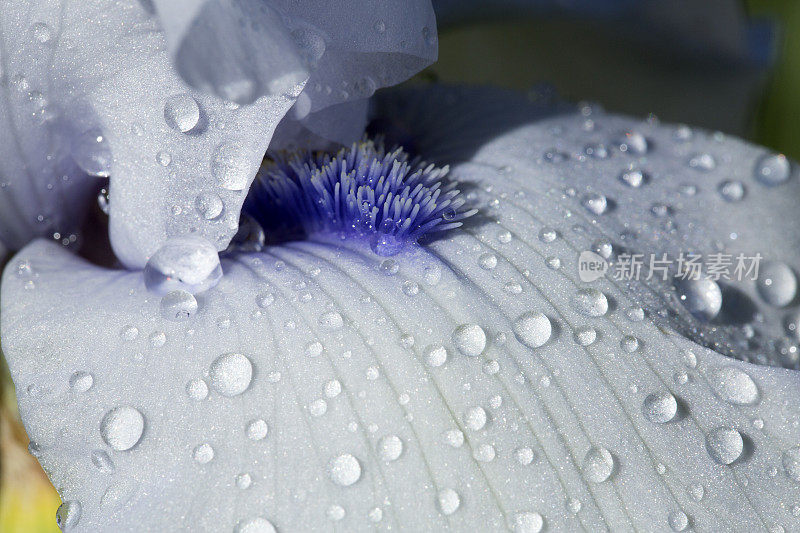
[390, 334]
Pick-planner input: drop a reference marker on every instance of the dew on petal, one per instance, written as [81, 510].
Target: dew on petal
[701, 297]
[475, 418]
[68, 515]
[533, 329]
[178, 305]
[528, 522]
[436, 356]
[92, 153]
[122, 427]
[725, 445]
[590, 302]
[448, 501]
[230, 374]
[469, 339]
[203, 453]
[598, 464]
[257, 430]
[772, 169]
[776, 284]
[660, 407]
[344, 470]
[791, 463]
[81, 381]
[229, 166]
[181, 112]
[188, 263]
[390, 448]
[734, 386]
[255, 525]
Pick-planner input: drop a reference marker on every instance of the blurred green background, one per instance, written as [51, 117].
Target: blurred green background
[699, 68]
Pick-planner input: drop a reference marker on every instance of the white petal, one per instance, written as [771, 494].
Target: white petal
[262, 47]
[340, 124]
[332, 349]
[82, 72]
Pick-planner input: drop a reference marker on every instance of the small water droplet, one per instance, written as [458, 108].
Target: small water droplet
[725, 445]
[533, 329]
[791, 463]
[178, 305]
[585, 335]
[231, 374]
[528, 522]
[701, 297]
[598, 464]
[203, 453]
[475, 418]
[197, 389]
[344, 470]
[777, 284]
[678, 521]
[436, 356]
[92, 153]
[122, 427]
[703, 162]
[487, 261]
[448, 501]
[595, 203]
[731, 191]
[181, 112]
[81, 381]
[590, 302]
[390, 448]
[469, 339]
[257, 429]
[68, 515]
[230, 167]
[660, 407]
[42, 32]
[209, 205]
[331, 320]
[524, 456]
[773, 169]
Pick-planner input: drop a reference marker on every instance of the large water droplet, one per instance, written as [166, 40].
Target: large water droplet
[469, 339]
[91, 151]
[734, 386]
[68, 515]
[701, 297]
[724, 445]
[533, 329]
[230, 374]
[791, 463]
[181, 112]
[660, 407]
[122, 427]
[189, 263]
[772, 169]
[390, 447]
[590, 302]
[776, 283]
[448, 501]
[229, 166]
[178, 305]
[598, 464]
[344, 470]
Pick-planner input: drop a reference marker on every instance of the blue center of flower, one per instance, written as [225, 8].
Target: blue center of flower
[361, 191]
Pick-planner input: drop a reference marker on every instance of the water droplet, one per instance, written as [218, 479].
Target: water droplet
[528, 523]
[629, 343]
[188, 263]
[524, 456]
[454, 438]
[230, 167]
[776, 284]
[487, 261]
[595, 203]
[660, 407]
[436, 355]
[696, 491]
[68, 515]
[773, 169]
[448, 501]
[181, 112]
[333, 388]
[203, 453]
[484, 453]
[731, 191]
[255, 525]
[598, 464]
[331, 320]
[533, 329]
[703, 162]
[178, 305]
[734, 386]
[590, 302]
[678, 520]
[585, 335]
[230, 374]
[633, 142]
[209, 205]
[344, 470]
[632, 178]
[791, 463]
[257, 430]
[701, 297]
[548, 235]
[81, 381]
[724, 445]
[197, 389]
[122, 427]
[243, 481]
[390, 447]
[469, 339]
[92, 153]
[475, 418]
[318, 407]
